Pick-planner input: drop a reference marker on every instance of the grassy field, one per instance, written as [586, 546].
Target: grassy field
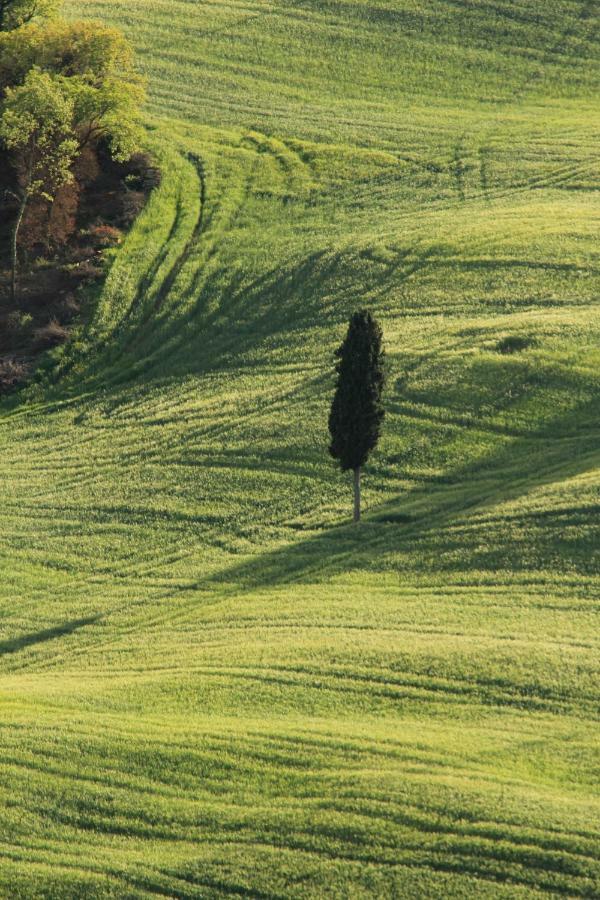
[210, 683]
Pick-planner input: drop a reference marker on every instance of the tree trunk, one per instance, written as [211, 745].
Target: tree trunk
[357, 495]
[15, 240]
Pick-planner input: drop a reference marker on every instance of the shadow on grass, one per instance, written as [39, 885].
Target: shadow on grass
[14, 645]
[269, 310]
[455, 524]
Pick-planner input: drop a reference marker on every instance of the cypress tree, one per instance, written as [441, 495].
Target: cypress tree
[357, 411]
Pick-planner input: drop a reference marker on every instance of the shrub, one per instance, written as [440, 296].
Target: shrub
[133, 204]
[102, 236]
[69, 307]
[143, 174]
[50, 335]
[49, 226]
[78, 255]
[18, 323]
[13, 372]
[86, 271]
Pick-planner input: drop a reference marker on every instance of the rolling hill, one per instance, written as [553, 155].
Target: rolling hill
[210, 683]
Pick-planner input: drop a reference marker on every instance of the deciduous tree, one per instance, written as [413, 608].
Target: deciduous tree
[36, 126]
[98, 66]
[64, 87]
[15, 13]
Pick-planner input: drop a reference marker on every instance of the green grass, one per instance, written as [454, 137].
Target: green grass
[210, 683]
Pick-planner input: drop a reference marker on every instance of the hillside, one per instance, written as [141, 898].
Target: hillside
[211, 684]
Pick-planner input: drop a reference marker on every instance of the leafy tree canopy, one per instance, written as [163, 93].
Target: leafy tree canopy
[15, 13]
[96, 66]
[37, 126]
[63, 86]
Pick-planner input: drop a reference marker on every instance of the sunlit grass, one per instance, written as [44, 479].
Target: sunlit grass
[210, 683]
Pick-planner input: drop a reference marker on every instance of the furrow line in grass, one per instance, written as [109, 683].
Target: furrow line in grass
[487, 865]
[58, 859]
[453, 688]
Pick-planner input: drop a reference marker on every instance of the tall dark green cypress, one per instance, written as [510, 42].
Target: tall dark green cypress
[357, 410]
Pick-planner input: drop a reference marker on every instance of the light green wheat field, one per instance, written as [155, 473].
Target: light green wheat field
[210, 683]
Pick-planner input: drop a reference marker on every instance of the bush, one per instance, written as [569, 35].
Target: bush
[143, 174]
[13, 372]
[133, 204]
[15, 329]
[50, 335]
[79, 255]
[102, 236]
[18, 323]
[49, 226]
[86, 271]
[69, 307]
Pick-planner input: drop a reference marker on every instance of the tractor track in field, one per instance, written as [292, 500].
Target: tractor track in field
[296, 175]
[147, 280]
[562, 174]
[560, 48]
[179, 264]
[457, 166]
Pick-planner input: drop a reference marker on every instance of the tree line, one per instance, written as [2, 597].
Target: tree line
[65, 88]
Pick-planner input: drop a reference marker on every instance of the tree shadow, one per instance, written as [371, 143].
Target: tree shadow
[451, 524]
[230, 316]
[16, 644]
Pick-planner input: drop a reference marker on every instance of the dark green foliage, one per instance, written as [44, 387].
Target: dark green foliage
[14, 13]
[357, 411]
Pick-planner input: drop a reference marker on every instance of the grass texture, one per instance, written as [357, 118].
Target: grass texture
[210, 684]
